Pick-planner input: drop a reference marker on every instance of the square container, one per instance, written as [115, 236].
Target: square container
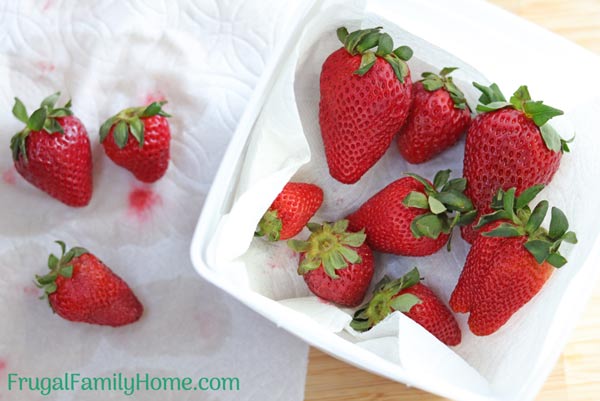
[508, 51]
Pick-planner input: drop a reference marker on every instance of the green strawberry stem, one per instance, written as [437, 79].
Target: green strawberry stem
[432, 82]
[58, 267]
[385, 301]
[520, 221]
[363, 40]
[492, 99]
[44, 118]
[130, 121]
[330, 245]
[269, 225]
[446, 203]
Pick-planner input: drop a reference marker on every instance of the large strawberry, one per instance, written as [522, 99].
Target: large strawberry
[81, 288]
[336, 264]
[53, 151]
[510, 262]
[413, 217]
[365, 98]
[439, 115]
[509, 145]
[290, 211]
[415, 300]
[146, 151]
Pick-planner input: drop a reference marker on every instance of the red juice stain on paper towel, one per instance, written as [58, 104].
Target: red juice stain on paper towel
[156, 96]
[2, 365]
[9, 177]
[45, 67]
[141, 202]
[47, 5]
[31, 291]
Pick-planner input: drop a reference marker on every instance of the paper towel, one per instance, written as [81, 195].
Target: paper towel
[499, 365]
[204, 57]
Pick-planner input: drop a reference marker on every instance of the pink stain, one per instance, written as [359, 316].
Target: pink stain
[2, 364]
[45, 67]
[47, 5]
[141, 202]
[9, 177]
[31, 291]
[156, 96]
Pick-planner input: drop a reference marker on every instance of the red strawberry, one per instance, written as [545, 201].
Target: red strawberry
[146, 151]
[416, 301]
[81, 288]
[412, 217]
[365, 98]
[53, 151]
[438, 117]
[290, 211]
[509, 145]
[510, 262]
[337, 265]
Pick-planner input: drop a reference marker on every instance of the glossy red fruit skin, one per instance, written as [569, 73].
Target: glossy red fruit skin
[150, 162]
[433, 125]
[433, 315]
[296, 204]
[504, 149]
[60, 164]
[387, 221]
[351, 286]
[499, 277]
[94, 294]
[359, 116]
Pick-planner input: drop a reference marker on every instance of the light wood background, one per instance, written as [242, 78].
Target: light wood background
[576, 376]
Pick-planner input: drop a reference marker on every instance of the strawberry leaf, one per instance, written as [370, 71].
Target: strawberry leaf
[505, 230]
[490, 94]
[66, 271]
[537, 217]
[556, 260]
[50, 101]
[136, 127]
[528, 195]
[441, 178]
[404, 303]
[427, 225]
[404, 53]
[342, 34]
[37, 119]
[105, 128]
[558, 224]
[570, 237]
[435, 205]
[416, 199]
[19, 111]
[121, 134]
[539, 249]
[366, 62]
[540, 113]
[369, 42]
[551, 138]
[52, 262]
[455, 184]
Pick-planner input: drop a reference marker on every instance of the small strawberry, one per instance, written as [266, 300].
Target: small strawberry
[365, 98]
[510, 262]
[413, 217]
[337, 265]
[81, 288]
[415, 300]
[290, 211]
[146, 151]
[509, 145]
[439, 115]
[53, 151]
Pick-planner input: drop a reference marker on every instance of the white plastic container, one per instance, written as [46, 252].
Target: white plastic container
[508, 51]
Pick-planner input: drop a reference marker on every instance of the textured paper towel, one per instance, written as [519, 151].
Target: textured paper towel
[204, 57]
[502, 361]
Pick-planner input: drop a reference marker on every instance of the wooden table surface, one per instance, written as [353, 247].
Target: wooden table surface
[576, 377]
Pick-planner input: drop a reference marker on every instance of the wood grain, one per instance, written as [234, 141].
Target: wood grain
[576, 377]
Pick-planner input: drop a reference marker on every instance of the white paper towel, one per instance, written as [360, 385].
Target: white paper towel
[498, 365]
[205, 57]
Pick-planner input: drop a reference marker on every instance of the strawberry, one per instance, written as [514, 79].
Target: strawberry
[511, 260]
[290, 211]
[337, 265]
[365, 98]
[81, 288]
[53, 151]
[413, 217]
[415, 300]
[509, 145]
[146, 151]
[438, 117]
